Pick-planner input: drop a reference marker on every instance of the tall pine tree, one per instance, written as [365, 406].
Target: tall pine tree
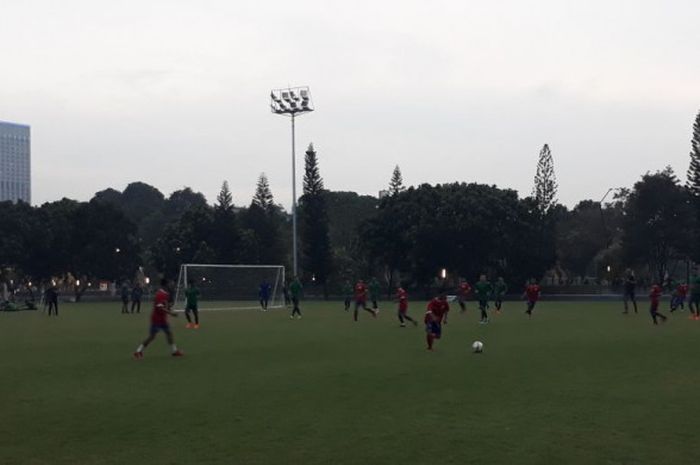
[224, 200]
[396, 184]
[263, 195]
[693, 181]
[315, 238]
[545, 190]
[226, 233]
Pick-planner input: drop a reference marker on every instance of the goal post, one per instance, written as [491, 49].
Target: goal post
[230, 287]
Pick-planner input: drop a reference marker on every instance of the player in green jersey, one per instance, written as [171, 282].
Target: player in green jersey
[482, 292]
[192, 305]
[500, 289]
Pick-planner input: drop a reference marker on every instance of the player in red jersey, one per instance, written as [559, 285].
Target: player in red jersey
[402, 298]
[654, 297]
[463, 291]
[159, 321]
[678, 297]
[434, 317]
[361, 299]
[532, 295]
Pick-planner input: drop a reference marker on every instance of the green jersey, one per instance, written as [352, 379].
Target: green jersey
[192, 295]
[482, 290]
[295, 289]
[695, 285]
[500, 289]
[374, 289]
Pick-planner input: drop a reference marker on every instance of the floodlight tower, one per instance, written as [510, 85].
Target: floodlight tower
[292, 102]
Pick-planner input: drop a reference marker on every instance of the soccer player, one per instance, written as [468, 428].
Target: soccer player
[463, 291]
[500, 289]
[159, 321]
[482, 291]
[630, 287]
[434, 317]
[694, 301]
[264, 294]
[51, 297]
[402, 298]
[136, 294]
[374, 290]
[125, 297]
[532, 294]
[678, 297]
[361, 299]
[192, 305]
[295, 289]
[347, 292]
[654, 296]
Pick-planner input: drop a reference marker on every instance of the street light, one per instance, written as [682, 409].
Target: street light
[293, 102]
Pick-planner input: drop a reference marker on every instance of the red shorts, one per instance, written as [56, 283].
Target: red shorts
[403, 307]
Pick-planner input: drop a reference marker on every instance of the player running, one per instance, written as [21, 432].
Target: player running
[361, 299]
[629, 293]
[435, 315]
[654, 297]
[375, 290]
[500, 289]
[463, 291]
[402, 298]
[295, 289]
[482, 292]
[347, 292]
[159, 321]
[192, 305]
[532, 294]
[678, 297]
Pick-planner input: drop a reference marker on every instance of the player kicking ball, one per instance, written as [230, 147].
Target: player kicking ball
[532, 295]
[402, 298]
[435, 315]
[159, 322]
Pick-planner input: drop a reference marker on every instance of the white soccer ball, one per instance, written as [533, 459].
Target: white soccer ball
[478, 347]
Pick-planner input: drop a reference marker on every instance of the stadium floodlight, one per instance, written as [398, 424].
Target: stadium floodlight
[292, 102]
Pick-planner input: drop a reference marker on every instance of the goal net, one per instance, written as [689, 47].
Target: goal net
[231, 287]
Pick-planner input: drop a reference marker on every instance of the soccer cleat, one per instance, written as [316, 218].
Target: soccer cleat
[177, 353]
[138, 355]
[403, 325]
[188, 326]
[196, 326]
[291, 317]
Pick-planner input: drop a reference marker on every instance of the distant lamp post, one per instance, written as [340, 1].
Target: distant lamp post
[443, 273]
[117, 250]
[609, 269]
[148, 280]
[292, 102]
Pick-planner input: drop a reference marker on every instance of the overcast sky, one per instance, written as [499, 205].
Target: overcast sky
[176, 93]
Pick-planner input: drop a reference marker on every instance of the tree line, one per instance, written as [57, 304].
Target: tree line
[407, 235]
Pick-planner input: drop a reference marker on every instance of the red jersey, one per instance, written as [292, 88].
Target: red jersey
[464, 289]
[655, 294]
[402, 297]
[438, 309]
[533, 292]
[360, 292]
[160, 305]
[682, 290]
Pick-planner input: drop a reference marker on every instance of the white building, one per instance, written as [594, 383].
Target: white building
[15, 163]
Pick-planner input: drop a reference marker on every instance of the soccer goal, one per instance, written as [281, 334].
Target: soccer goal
[230, 287]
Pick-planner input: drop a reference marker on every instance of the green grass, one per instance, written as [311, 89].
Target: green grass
[579, 384]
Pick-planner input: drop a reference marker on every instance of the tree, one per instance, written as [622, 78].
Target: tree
[224, 200]
[581, 236]
[396, 184]
[693, 182]
[545, 190]
[263, 195]
[315, 237]
[658, 223]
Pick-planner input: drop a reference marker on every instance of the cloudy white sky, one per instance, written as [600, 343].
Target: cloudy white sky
[175, 93]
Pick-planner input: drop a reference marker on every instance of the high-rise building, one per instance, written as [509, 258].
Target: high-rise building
[15, 163]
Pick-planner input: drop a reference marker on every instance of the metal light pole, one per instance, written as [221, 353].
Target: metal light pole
[292, 101]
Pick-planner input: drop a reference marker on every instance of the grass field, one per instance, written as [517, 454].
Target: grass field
[579, 384]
